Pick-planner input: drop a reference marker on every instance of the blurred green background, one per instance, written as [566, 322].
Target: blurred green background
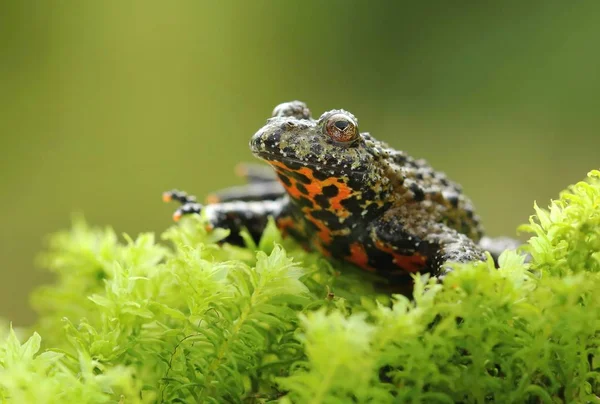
[104, 105]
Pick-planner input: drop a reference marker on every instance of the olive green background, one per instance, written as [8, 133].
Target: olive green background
[104, 105]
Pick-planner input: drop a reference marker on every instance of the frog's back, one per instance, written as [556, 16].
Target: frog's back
[422, 192]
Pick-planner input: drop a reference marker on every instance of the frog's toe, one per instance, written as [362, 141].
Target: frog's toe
[179, 196]
[187, 209]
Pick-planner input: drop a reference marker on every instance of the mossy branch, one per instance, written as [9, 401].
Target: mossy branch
[188, 320]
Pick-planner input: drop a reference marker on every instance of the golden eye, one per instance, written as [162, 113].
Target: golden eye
[341, 128]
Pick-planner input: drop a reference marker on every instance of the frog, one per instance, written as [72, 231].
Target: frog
[350, 197]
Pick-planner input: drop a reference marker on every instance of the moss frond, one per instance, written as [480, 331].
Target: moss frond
[186, 319]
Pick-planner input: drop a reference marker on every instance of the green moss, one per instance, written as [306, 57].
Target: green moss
[187, 320]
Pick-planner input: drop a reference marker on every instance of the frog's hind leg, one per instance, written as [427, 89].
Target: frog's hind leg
[497, 245]
[255, 173]
[259, 191]
[262, 185]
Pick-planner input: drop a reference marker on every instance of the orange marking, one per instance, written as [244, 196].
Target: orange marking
[212, 198]
[343, 193]
[324, 232]
[177, 216]
[241, 170]
[322, 249]
[293, 190]
[315, 187]
[285, 223]
[166, 197]
[410, 263]
[359, 256]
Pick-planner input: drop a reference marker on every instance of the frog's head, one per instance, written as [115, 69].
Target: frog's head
[331, 145]
[314, 153]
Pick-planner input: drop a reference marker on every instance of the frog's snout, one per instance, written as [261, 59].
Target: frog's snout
[265, 141]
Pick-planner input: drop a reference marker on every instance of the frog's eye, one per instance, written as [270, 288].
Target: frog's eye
[341, 128]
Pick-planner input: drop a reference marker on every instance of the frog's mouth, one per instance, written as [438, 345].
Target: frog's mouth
[294, 164]
[290, 161]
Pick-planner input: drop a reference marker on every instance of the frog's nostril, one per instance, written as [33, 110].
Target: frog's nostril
[257, 142]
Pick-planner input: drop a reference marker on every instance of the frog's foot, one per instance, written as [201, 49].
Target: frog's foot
[187, 209]
[258, 191]
[458, 248]
[188, 203]
[255, 173]
[179, 196]
[497, 245]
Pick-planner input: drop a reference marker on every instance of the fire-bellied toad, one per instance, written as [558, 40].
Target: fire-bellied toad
[349, 196]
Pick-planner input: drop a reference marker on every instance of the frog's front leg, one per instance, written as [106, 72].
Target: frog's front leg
[235, 215]
[445, 245]
[415, 245]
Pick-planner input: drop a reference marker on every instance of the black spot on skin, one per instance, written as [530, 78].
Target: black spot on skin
[466, 227]
[302, 178]
[453, 199]
[302, 189]
[372, 211]
[272, 141]
[296, 234]
[340, 245]
[330, 191]
[399, 158]
[284, 179]
[293, 165]
[417, 191]
[368, 194]
[419, 176]
[351, 205]
[321, 176]
[322, 200]
[329, 218]
[304, 202]
[386, 206]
